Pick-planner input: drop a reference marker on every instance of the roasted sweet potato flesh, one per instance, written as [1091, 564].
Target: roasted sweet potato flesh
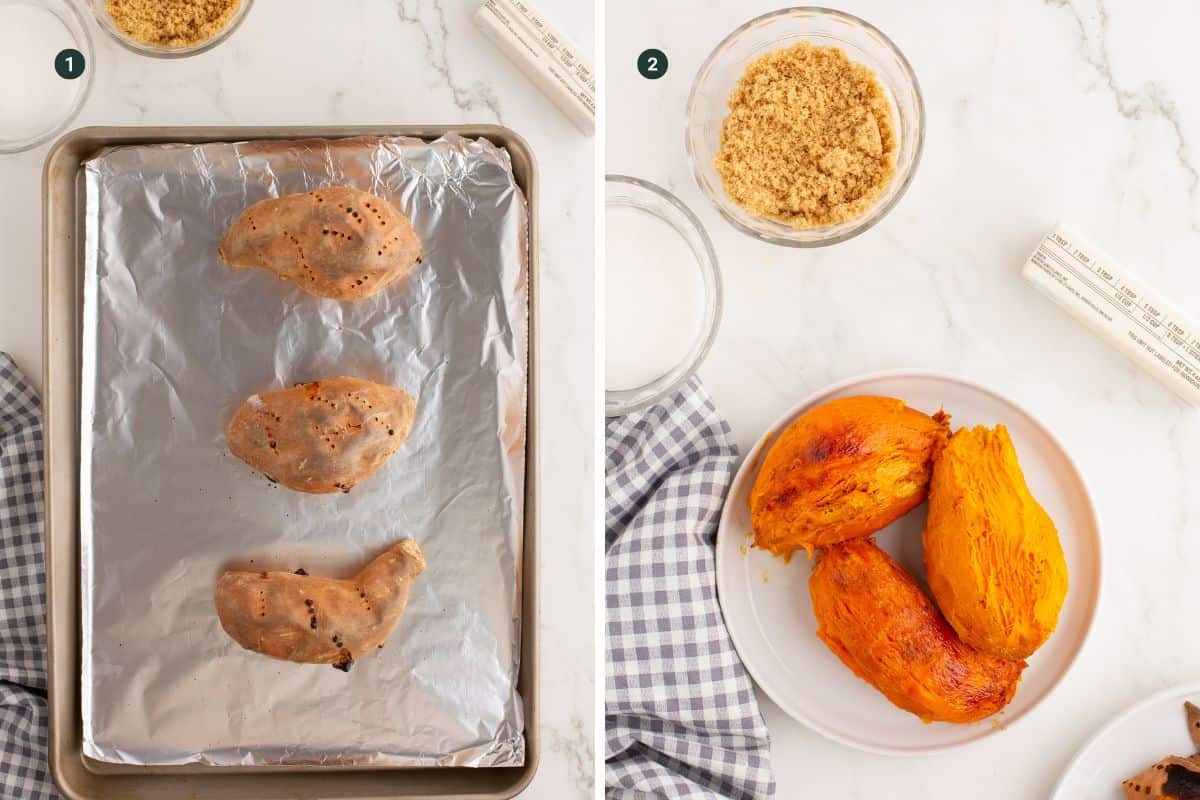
[879, 622]
[992, 554]
[843, 470]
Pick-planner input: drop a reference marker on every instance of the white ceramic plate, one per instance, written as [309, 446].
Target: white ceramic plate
[1153, 729]
[769, 614]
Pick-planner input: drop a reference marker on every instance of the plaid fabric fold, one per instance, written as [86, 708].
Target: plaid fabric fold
[23, 721]
[681, 718]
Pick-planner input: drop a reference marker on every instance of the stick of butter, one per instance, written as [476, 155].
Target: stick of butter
[1120, 308]
[547, 57]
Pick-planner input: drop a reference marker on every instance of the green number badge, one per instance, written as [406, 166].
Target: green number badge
[652, 64]
[69, 64]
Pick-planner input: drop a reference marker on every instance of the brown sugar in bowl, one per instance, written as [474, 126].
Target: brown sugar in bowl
[825, 223]
[170, 28]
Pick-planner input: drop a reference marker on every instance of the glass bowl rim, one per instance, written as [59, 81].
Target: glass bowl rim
[12, 146]
[873, 215]
[625, 401]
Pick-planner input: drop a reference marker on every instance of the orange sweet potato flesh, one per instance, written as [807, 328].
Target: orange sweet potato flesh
[337, 242]
[313, 620]
[843, 470]
[879, 622]
[992, 554]
[321, 437]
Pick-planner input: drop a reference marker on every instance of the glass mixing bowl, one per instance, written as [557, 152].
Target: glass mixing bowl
[623, 192]
[707, 107]
[15, 140]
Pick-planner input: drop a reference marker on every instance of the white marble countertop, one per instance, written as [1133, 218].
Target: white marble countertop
[1036, 112]
[391, 61]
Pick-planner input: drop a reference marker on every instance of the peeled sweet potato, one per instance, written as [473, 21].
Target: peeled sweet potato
[301, 617]
[337, 242]
[843, 470]
[1173, 778]
[992, 554]
[321, 437]
[876, 619]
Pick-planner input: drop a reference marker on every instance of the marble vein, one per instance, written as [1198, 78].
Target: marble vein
[574, 746]
[436, 35]
[1150, 102]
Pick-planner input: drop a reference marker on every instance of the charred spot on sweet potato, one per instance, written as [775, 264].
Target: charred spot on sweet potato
[1182, 783]
[783, 498]
[344, 660]
[822, 448]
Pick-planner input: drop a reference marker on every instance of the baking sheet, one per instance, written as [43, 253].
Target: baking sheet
[173, 340]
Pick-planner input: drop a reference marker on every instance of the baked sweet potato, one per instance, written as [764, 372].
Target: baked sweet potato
[992, 554]
[337, 242]
[1173, 778]
[843, 470]
[1193, 722]
[876, 619]
[321, 437]
[304, 618]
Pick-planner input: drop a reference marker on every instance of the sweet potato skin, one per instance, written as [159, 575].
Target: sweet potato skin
[321, 437]
[843, 470]
[313, 620]
[1193, 723]
[336, 242]
[992, 554]
[879, 622]
[1173, 778]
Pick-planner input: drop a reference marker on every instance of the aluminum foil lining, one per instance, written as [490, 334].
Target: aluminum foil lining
[174, 340]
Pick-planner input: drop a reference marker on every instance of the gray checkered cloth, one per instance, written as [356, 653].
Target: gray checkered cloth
[680, 713]
[23, 773]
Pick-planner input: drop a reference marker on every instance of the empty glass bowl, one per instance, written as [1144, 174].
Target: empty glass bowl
[35, 108]
[629, 204]
[707, 107]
